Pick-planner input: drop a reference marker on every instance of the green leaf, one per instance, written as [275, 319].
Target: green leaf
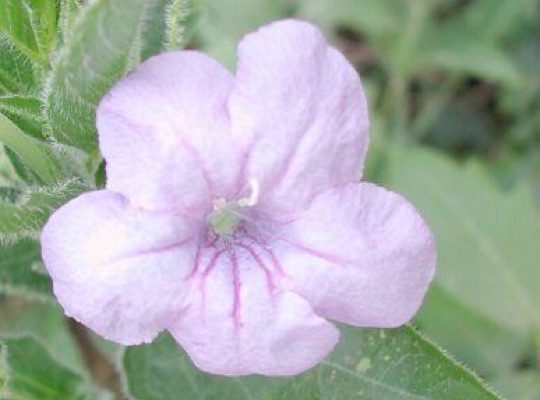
[519, 385]
[155, 34]
[16, 73]
[222, 26]
[22, 171]
[21, 272]
[372, 17]
[482, 343]
[35, 154]
[31, 26]
[396, 363]
[45, 321]
[461, 55]
[494, 19]
[3, 376]
[26, 217]
[179, 19]
[447, 44]
[523, 101]
[98, 52]
[8, 193]
[172, 26]
[371, 364]
[487, 240]
[33, 374]
[24, 111]
[7, 175]
[68, 11]
[171, 22]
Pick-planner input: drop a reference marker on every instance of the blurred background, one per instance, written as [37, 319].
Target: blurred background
[454, 97]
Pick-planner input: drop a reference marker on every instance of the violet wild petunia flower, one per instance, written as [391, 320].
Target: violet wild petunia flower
[233, 216]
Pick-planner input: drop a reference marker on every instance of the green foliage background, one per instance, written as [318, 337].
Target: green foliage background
[454, 94]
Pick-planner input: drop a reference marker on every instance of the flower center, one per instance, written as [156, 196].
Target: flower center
[227, 216]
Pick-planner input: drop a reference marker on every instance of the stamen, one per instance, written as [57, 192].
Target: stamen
[227, 216]
[219, 203]
[253, 195]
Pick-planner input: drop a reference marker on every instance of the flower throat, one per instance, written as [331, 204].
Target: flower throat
[226, 216]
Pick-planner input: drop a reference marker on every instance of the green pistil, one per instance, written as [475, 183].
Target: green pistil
[224, 221]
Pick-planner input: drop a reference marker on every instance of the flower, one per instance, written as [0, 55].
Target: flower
[233, 216]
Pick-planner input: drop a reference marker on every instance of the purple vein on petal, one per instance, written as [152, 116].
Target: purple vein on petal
[269, 280]
[196, 264]
[317, 253]
[202, 282]
[153, 251]
[275, 262]
[237, 286]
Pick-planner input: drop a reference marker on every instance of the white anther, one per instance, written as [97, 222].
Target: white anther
[253, 195]
[219, 203]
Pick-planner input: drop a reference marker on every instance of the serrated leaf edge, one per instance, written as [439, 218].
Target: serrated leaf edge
[30, 231]
[64, 52]
[449, 357]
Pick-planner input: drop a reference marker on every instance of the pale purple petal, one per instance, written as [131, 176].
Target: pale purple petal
[117, 269]
[299, 106]
[164, 133]
[240, 322]
[360, 255]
